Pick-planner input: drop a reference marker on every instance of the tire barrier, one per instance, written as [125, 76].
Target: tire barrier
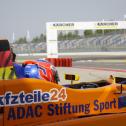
[60, 62]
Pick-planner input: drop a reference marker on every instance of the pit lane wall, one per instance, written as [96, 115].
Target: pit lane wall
[34, 102]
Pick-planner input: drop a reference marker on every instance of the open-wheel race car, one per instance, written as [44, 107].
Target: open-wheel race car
[35, 102]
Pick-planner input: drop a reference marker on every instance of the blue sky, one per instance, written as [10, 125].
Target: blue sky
[18, 16]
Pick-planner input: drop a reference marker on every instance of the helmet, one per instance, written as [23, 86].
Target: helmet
[40, 69]
[31, 71]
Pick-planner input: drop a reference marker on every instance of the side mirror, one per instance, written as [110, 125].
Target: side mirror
[71, 77]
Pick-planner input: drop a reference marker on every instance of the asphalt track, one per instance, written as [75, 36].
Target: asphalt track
[113, 64]
[93, 70]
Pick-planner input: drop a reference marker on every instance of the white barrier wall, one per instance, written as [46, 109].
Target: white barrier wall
[53, 27]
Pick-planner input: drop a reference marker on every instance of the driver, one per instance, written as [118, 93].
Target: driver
[39, 69]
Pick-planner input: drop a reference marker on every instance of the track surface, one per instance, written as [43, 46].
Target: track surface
[101, 64]
[93, 70]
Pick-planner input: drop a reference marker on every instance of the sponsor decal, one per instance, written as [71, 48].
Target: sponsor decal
[36, 96]
[59, 109]
[17, 102]
[107, 105]
[29, 111]
[68, 108]
[63, 25]
[29, 105]
[107, 25]
[21, 112]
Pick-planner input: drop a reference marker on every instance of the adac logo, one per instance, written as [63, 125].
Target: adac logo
[36, 96]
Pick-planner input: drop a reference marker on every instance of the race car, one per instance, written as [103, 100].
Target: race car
[29, 101]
